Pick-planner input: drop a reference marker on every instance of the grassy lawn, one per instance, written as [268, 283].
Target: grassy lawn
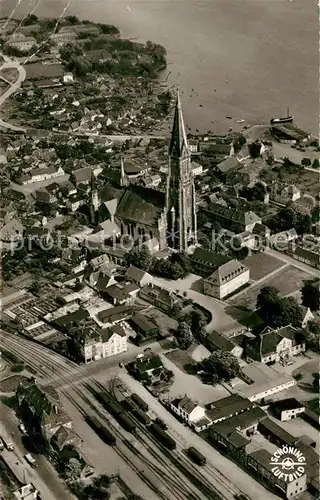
[287, 281]
[262, 264]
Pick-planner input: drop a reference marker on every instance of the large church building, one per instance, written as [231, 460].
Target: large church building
[169, 217]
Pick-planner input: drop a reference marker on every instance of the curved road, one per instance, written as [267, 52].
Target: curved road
[9, 64]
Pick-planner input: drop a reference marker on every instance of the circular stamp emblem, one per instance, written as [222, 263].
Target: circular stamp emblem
[288, 463]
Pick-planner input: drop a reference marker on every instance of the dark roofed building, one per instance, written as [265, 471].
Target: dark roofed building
[276, 345]
[287, 409]
[229, 164]
[234, 220]
[146, 329]
[215, 341]
[116, 314]
[204, 262]
[227, 407]
[140, 212]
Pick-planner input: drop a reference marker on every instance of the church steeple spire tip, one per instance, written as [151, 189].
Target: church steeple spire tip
[178, 143]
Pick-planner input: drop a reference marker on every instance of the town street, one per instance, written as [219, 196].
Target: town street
[44, 477]
[51, 364]
[220, 320]
[8, 64]
[293, 262]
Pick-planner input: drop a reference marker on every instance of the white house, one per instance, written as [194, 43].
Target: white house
[68, 78]
[288, 409]
[284, 193]
[26, 492]
[104, 344]
[190, 412]
[277, 345]
[114, 341]
[197, 169]
[226, 279]
[138, 276]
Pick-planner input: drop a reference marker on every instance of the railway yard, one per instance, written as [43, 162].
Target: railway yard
[121, 436]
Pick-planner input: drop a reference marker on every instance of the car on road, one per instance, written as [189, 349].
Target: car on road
[121, 365]
[1, 444]
[31, 461]
[22, 429]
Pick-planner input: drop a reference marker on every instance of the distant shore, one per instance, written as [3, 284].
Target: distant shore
[248, 60]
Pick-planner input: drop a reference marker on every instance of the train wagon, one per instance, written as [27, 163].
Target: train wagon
[141, 416]
[101, 430]
[112, 406]
[126, 422]
[163, 436]
[196, 456]
[139, 402]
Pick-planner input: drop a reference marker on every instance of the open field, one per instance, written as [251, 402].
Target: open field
[261, 264]
[287, 281]
[191, 385]
[180, 359]
[38, 70]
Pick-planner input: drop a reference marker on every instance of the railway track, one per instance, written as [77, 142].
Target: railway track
[190, 468]
[61, 369]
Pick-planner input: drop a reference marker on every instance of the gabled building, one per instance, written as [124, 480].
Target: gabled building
[43, 404]
[191, 412]
[277, 345]
[234, 220]
[205, 262]
[287, 409]
[226, 279]
[159, 297]
[227, 407]
[284, 193]
[138, 276]
[215, 341]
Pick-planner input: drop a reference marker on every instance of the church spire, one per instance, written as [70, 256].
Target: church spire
[178, 144]
[180, 196]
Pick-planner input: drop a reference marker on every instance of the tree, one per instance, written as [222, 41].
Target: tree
[306, 162]
[287, 312]
[266, 299]
[140, 257]
[315, 163]
[254, 149]
[184, 336]
[277, 311]
[198, 320]
[315, 382]
[221, 365]
[311, 295]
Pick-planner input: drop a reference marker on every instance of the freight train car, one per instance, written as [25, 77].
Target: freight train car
[126, 422]
[139, 402]
[162, 436]
[101, 430]
[196, 456]
[112, 406]
[141, 416]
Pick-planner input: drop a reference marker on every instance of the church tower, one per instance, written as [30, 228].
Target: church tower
[180, 196]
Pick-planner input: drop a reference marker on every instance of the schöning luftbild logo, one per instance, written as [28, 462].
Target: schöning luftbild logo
[289, 463]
